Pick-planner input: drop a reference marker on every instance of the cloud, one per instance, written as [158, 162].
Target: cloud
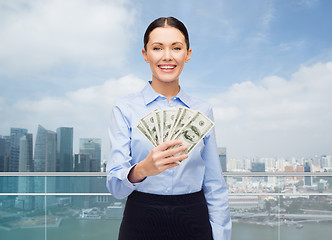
[38, 35]
[268, 15]
[277, 115]
[307, 3]
[86, 109]
[271, 117]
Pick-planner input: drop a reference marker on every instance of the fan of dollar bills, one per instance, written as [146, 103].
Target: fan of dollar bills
[181, 123]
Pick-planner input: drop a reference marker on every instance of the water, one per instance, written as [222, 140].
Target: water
[72, 229]
[310, 231]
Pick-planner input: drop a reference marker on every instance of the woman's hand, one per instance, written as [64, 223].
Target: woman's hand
[158, 160]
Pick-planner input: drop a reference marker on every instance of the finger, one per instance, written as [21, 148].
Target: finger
[163, 146]
[175, 159]
[174, 151]
[171, 165]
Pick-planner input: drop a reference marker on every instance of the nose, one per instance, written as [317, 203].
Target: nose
[167, 55]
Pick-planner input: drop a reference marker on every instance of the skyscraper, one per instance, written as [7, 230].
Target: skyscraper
[4, 153]
[223, 158]
[307, 179]
[25, 184]
[25, 154]
[45, 161]
[4, 157]
[64, 149]
[13, 161]
[81, 163]
[15, 136]
[45, 150]
[258, 167]
[64, 157]
[89, 160]
[92, 147]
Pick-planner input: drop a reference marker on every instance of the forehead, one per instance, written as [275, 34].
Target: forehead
[166, 35]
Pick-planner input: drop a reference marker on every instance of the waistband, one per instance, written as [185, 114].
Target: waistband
[156, 199]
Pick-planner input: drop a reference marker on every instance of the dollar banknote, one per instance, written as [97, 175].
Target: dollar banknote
[180, 123]
[194, 131]
[168, 116]
[185, 114]
[149, 122]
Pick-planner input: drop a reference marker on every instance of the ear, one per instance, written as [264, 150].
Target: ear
[145, 55]
[188, 55]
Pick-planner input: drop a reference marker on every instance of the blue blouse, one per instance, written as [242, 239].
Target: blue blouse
[201, 170]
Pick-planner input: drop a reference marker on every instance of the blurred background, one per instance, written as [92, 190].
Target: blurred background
[265, 66]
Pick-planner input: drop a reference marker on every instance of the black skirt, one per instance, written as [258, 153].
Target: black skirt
[165, 217]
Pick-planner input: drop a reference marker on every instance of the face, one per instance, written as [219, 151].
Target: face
[190, 136]
[166, 52]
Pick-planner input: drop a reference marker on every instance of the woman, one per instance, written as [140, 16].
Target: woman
[166, 200]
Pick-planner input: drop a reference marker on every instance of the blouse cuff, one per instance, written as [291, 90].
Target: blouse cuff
[126, 181]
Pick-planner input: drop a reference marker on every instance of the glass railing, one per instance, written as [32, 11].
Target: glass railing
[287, 206]
[78, 206]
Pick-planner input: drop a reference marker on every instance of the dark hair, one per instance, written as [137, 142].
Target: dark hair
[164, 22]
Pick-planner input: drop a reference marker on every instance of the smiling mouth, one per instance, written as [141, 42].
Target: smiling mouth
[167, 67]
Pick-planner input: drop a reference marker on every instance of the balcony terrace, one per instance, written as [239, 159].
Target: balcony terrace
[77, 205]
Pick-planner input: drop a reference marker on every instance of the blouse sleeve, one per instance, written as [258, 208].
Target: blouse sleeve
[215, 189]
[119, 161]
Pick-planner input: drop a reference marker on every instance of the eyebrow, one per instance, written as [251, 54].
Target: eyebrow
[159, 43]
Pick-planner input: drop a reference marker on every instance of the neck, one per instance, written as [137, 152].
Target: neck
[167, 89]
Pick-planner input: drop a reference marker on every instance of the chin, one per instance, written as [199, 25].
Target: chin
[169, 80]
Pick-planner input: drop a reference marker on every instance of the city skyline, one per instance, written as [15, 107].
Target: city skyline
[265, 68]
[53, 152]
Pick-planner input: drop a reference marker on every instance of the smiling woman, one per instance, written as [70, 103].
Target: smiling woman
[166, 199]
[166, 52]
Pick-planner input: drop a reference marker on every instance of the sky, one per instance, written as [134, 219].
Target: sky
[265, 66]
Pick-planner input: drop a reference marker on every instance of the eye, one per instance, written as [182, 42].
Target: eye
[177, 48]
[156, 48]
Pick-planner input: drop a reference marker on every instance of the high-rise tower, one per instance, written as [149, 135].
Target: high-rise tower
[4, 153]
[223, 158]
[92, 147]
[64, 149]
[14, 153]
[64, 157]
[45, 161]
[307, 179]
[45, 150]
[4, 158]
[25, 154]
[25, 184]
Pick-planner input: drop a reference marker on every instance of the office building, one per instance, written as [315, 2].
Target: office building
[25, 154]
[258, 167]
[223, 158]
[64, 149]
[4, 153]
[89, 160]
[81, 163]
[45, 150]
[13, 161]
[4, 158]
[45, 161]
[15, 136]
[91, 147]
[82, 184]
[25, 184]
[307, 179]
[64, 157]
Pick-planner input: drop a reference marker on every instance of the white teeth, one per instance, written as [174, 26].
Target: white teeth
[167, 67]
